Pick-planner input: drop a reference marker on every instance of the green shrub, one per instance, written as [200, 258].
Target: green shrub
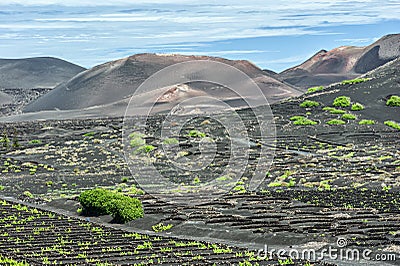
[314, 89]
[348, 117]
[357, 107]
[366, 122]
[308, 103]
[160, 227]
[169, 141]
[296, 117]
[393, 124]
[89, 134]
[101, 201]
[336, 122]
[354, 81]
[196, 134]
[35, 141]
[393, 101]
[305, 122]
[302, 121]
[145, 149]
[342, 101]
[137, 142]
[334, 110]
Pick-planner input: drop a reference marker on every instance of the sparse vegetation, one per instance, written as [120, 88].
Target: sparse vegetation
[336, 122]
[354, 81]
[309, 103]
[393, 101]
[393, 124]
[342, 101]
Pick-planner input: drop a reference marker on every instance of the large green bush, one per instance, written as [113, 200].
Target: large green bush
[100, 201]
[342, 101]
[393, 101]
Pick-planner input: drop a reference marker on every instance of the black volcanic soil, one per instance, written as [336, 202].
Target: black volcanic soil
[326, 181]
[38, 72]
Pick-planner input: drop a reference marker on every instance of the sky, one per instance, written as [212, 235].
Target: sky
[274, 35]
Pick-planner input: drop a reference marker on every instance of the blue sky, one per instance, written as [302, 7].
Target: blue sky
[273, 34]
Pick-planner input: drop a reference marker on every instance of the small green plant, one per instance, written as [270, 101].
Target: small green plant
[348, 117]
[342, 101]
[160, 227]
[124, 179]
[308, 103]
[357, 107]
[145, 149]
[101, 201]
[366, 122]
[354, 81]
[336, 122]
[170, 141]
[302, 121]
[35, 141]
[314, 89]
[393, 124]
[137, 142]
[196, 180]
[196, 134]
[89, 134]
[393, 101]
[28, 194]
[334, 110]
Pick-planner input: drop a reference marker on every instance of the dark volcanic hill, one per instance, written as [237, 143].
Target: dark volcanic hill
[38, 72]
[346, 62]
[114, 81]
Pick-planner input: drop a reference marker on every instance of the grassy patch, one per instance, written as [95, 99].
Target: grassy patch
[336, 122]
[196, 134]
[357, 107]
[302, 121]
[314, 89]
[393, 101]
[334, 110]
[308, 103]
[170, 141]
[348, 117]
[342, 101]
[354, 81]
[145, 149]
[366, 122]
[393, 124]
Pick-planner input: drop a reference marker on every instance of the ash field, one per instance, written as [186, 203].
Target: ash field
[334, 175]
